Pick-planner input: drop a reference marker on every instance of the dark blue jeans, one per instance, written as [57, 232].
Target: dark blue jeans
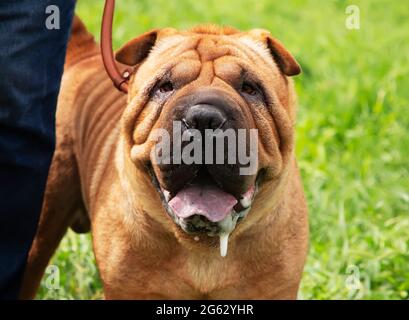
[31, 65]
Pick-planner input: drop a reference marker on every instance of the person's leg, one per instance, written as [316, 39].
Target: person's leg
[31, 65]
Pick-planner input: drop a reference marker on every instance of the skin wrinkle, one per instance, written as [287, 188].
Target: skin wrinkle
[154, 117]
[245, 59]
[95, 180]
[94, 106]
[84, 113]
[146, 89]
[112, 110]
[93, 167]
[203, 71]
[99, 140]
[97, 146]
[197, 44]
[241, 52]
[265, 144]
[246, 68]
[269, 61]
[98, 120]
[270, 96]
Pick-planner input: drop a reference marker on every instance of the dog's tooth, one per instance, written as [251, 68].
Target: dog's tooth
[166, 194]
[247, 198]
[224, 242]
[245, 202]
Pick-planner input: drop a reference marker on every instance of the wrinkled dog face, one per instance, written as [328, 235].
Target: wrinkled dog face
[202, 83]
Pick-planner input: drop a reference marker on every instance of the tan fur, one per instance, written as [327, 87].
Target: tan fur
[140, 252]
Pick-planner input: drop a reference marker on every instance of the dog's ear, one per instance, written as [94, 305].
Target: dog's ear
[284, 59]
[137, 49]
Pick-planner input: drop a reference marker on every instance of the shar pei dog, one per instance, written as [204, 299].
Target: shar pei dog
[176, 228]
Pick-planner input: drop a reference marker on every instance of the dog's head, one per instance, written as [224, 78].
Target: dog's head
[202, 85]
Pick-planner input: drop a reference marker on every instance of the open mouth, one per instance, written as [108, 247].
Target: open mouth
[202, 206]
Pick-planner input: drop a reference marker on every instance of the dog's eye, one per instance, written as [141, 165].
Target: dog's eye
[166, 87]
[249, 88]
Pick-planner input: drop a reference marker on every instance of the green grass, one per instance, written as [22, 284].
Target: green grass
[352, 136]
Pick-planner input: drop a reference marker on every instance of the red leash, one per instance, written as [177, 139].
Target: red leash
[119, 79]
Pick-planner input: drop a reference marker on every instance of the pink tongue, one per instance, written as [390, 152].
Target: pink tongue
[207, 200]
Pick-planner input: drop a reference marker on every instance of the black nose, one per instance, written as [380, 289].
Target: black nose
[204, 116]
